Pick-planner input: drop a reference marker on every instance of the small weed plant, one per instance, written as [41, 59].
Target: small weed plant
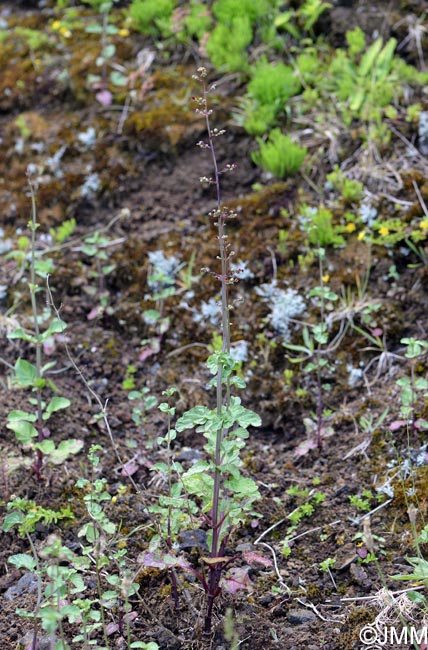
[269, 88]
[31, 426]
[315, 354]
[279, 155]
[152, 17]
[306, 501]
[64, 594]
[213, 495]
[300, 21]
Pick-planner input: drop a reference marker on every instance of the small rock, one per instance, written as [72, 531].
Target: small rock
[193, 539]
[300, 616]
[345, 556]
[27, 584]
[47, 642]
[360, 575]
[189, 455]
[43, 643]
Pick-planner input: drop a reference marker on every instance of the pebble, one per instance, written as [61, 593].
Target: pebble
[44, 643]
[27, 584]
[193, 539]
[188, 454]
[245, 546]
[300, 616]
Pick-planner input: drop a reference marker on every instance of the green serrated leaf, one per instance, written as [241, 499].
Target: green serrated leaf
[243, 486]
[56, 326]
[22, 561]
[11, 520]
[108, 51]
[56, 404]
[65, 449]
[243, 416]
[45, 446]
[44, 267]
[150, 402]
[198, 482]
[196, 416]
[19, 333]
[25, 373]
[151, 316]
[72, 612]
[94, 29]
[21, 415]
[118, 79]
[24, 430]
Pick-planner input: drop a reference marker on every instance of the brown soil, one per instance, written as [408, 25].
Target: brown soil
[149, 198]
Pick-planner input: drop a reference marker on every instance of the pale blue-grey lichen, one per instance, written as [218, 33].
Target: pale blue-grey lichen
[285, 304]
[239, 350]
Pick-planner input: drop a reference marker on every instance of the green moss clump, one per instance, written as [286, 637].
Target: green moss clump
[279, 155]
[152, 16]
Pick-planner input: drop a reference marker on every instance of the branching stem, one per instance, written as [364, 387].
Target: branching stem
[222, 400]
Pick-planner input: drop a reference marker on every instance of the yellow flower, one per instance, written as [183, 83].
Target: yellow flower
[361, 235]
[350, 227]
[383, 231]
[325, 278]
[56, 24]
[64, 31]
[424, 224]
[123, 32]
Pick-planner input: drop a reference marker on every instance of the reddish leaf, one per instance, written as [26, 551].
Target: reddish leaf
[104, 97]
[146, 353]
[397, 424]
[305, 447]
[130, 468]
[362, 552]
[156, 560]
[111, 628]
[252, 557]
[151, 559]
[49, 346]
[421, 424]
[237, 579]
[95, 312]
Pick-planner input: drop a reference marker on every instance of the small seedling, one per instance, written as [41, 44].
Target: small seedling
[30, 427]
[279, 155]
